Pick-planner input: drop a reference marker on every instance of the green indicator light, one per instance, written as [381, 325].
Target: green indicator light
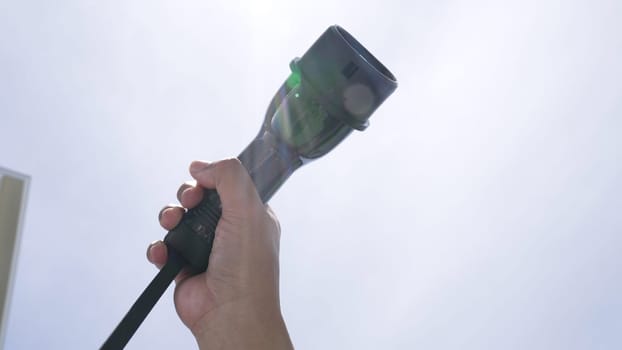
[293, 80]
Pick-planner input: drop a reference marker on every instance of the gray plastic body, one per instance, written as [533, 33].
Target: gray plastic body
[333, 89]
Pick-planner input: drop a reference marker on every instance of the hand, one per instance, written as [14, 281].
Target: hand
[235, 303]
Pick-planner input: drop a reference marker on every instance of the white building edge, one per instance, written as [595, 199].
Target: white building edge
[13, 193]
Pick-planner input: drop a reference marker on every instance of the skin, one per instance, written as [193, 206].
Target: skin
[235, 303]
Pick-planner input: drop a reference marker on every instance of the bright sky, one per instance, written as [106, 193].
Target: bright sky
[480, 209]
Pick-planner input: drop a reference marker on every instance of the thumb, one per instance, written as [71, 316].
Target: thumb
[230, 179]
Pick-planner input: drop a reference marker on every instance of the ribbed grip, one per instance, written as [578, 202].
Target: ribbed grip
[193, 237]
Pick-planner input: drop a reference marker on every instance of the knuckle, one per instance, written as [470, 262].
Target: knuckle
[273, 218]
[230, 167]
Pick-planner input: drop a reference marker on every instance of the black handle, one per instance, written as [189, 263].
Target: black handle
[268, 167]
[192, 238]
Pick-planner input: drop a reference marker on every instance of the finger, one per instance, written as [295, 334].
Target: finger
[170, 216]
[230, 179]
[157, 253]
[190, 197]
[186, 185]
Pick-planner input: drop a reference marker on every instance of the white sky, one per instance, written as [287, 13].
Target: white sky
[480, 209]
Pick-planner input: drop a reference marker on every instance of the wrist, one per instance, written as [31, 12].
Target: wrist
[243, 325]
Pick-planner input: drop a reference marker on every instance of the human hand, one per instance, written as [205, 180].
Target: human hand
[235, 303]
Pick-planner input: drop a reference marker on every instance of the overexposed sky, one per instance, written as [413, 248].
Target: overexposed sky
[480, 210]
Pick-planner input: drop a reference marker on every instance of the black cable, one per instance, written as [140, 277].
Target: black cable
[145, 302]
